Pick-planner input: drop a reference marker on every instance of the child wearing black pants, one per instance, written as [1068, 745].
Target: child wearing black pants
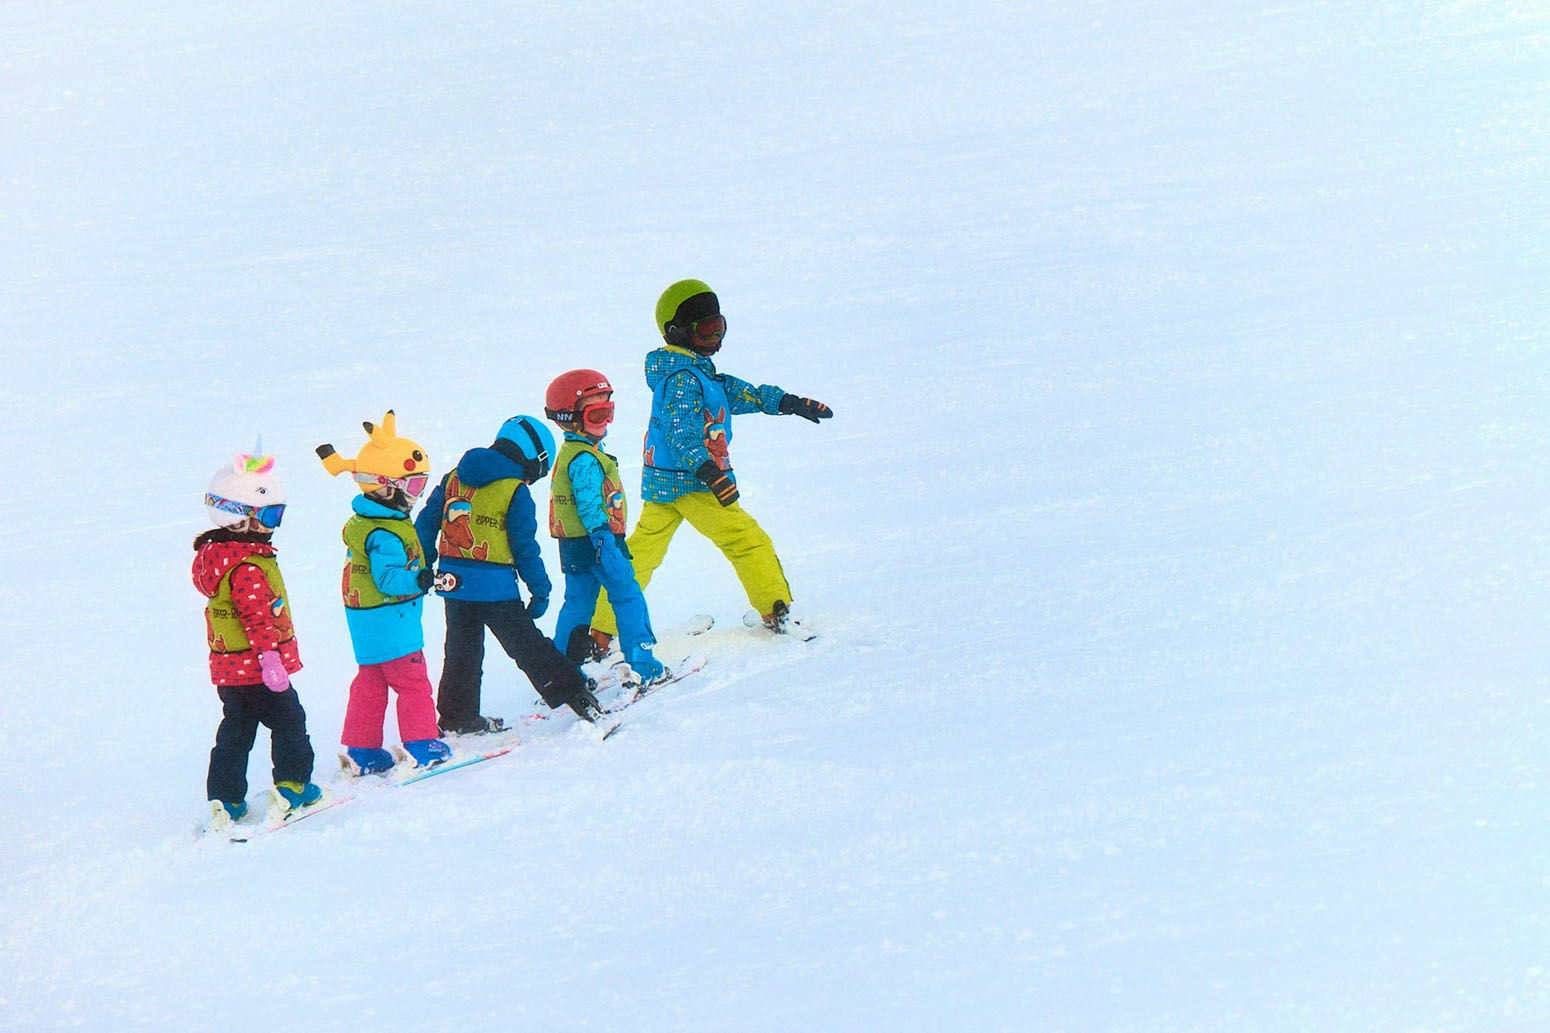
[252, 642]
[481, 525]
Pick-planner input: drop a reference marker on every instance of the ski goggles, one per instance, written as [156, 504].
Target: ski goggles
[269, 516]
[598, 414]
[710, 329]
[413, 485]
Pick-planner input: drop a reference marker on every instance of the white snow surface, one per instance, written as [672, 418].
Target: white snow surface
[1178, 546]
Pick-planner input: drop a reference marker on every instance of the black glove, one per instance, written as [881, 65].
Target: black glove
[426, 579]
[717, 481]
[806, 408]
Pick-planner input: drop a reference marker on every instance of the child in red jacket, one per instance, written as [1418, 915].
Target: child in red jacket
[252, 642]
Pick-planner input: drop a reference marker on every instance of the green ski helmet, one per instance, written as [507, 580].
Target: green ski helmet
[689, 315]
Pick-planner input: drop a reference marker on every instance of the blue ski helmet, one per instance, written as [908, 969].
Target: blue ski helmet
[528, 443]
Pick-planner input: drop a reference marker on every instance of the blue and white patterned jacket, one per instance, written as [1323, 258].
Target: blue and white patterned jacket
[678, 411]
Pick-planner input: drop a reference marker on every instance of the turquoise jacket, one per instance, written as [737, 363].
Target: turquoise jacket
[586, 482]
[386, 633]
[676, 437]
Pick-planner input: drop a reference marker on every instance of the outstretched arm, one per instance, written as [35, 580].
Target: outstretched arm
[747, 398]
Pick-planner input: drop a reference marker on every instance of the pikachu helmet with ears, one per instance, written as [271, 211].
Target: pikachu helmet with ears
[386, 460]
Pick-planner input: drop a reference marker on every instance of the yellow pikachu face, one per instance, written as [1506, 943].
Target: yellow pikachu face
[384, 458]
[392, 455]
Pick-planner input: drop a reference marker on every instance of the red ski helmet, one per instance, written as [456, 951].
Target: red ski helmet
[569, 388]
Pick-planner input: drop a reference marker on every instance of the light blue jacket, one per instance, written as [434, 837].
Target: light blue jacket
[385, 633]
[678, 418]
[586, 484]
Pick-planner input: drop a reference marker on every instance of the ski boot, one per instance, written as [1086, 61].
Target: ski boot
[585, 704]
[224, 815]
[580, 646]
[602, 644]
[428, 753]
[776, 619]
[779, 621]
[647, 668]
[286, 798]
[359, 760]
[478, 726]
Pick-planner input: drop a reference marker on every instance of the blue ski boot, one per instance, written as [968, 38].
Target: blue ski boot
[646, 667]
[286, 798]
[298, 794]
[428, 752]
[363, 761]
[224, 815]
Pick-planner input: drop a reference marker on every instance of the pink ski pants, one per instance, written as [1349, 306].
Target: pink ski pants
[364, 714]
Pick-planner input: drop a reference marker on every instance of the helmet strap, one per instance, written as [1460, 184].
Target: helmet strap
[533, 470]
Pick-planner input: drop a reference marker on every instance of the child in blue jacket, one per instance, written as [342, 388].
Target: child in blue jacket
[384, 580]
[688, 475]
[482, 525]
[587, 513]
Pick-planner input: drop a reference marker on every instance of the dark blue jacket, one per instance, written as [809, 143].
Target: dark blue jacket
[488, 582]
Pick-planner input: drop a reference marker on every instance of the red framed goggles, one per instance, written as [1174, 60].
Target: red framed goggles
[598, 414]
[413, 485]
[711, 329]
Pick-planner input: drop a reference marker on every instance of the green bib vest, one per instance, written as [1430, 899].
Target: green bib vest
[359, 590]
[564, 516]
[222, 625]
[473, 520]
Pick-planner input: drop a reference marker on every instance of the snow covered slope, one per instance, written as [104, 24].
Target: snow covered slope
[1178, 545]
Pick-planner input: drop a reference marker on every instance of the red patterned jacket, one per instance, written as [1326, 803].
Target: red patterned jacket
[215, 553]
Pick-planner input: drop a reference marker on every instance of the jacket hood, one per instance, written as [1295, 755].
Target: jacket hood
[481, 466]
[216, 552]
[669, 359]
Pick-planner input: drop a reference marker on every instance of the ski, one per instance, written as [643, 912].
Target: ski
[685, 667]
[699, 624]
[237, 832]
[792, 628]
[421, 774]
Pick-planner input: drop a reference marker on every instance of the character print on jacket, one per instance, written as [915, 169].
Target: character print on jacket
[457, 524]
[716, 438]
[613, 505]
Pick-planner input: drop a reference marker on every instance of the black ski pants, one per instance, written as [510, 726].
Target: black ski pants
[557, 680]
[244, 708]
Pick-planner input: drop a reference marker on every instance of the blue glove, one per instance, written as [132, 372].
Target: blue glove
[537, 605]
[615, 566]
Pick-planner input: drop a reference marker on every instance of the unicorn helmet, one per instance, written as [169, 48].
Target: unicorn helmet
[245, 487]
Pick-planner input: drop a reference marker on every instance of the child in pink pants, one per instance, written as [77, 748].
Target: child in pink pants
[384, 580]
